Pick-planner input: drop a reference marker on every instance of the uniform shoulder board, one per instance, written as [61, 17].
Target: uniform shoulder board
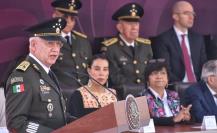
[79, 34]
[110, 41]
[23, 65]
[143, 40]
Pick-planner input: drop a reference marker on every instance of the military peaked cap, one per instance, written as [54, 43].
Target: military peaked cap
[129, 12]
[67, 6]
[48, 30]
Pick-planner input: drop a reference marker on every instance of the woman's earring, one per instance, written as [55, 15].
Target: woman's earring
[166, 86]
[89, 84]
[106, 84]
[147, 84]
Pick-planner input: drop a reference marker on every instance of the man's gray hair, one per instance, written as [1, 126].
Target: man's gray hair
[209, 68]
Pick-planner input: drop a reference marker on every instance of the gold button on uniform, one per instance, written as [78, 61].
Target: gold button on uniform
[135, 62]
[49, 100]
[138, 81]
[145, 62]
[137, 71]
[77, 67]
[73, 54]
[84, 65]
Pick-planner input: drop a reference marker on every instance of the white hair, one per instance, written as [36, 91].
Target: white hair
[209, 68]
[33, 38]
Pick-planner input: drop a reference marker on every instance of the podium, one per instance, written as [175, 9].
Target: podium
[109, 119]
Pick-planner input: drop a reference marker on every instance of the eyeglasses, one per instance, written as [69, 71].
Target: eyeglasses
[187, 13]
[160, 60]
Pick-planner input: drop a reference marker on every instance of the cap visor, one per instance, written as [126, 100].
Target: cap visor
[131, 19]
[54, 38]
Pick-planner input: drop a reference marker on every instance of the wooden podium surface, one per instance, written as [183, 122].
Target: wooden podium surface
[109, 119]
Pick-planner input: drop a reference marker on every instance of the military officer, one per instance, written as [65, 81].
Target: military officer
[34, 102]
[76, 53]
[128, 54]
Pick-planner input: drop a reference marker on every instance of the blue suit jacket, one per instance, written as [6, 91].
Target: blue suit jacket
[167, 46]
[202, 101]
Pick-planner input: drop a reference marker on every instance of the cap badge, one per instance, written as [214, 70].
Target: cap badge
[72, 5]
[57, 26]
[57, 30]
[133, 10]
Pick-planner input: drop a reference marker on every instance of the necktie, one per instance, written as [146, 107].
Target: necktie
[187, 60]
[53, 77]
[68, 40]
[132, 49]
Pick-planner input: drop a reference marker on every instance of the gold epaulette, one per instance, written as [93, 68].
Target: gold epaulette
[110, 41]
[143, 40]
[23, 65]
[79, 34]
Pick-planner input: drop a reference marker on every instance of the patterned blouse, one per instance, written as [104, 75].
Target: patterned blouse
[156, 106]
[104, 99]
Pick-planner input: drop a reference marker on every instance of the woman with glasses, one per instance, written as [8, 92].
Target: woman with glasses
[94, 95]
[164, 105]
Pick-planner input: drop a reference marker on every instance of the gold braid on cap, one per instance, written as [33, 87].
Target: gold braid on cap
[126, 17]
[47, 34]
[66, 10]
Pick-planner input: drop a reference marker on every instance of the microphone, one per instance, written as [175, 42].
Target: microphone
[71, 76]
[87, 75]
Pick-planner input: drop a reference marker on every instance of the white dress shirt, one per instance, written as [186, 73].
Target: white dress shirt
[127, 43]
[68, 34]
[40, 63]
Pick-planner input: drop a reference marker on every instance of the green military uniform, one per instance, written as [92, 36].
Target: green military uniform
[34, 103]
[73, 58]
[75, 54]
[127, 66]
[128, 57]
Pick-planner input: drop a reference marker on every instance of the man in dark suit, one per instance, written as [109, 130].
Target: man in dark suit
[211, 46]
[128, 54]
[76, 53]
[34, 102]
[183, 49]
[203, 95]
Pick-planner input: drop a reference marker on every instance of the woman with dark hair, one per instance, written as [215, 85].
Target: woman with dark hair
[94, 95]
[164, 105]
